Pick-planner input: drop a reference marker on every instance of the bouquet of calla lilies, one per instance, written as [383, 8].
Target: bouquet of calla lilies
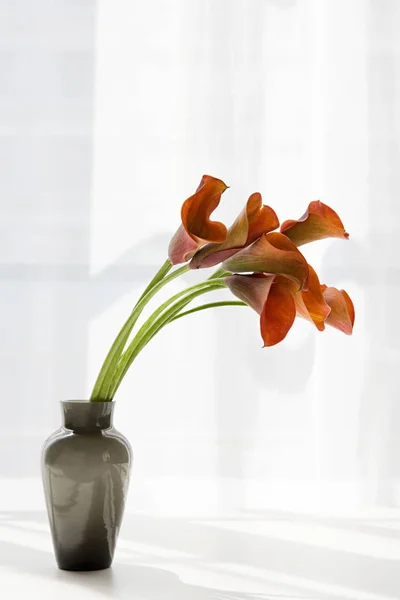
[261, 266]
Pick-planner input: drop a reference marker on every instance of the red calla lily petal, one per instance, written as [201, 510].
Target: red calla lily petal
[318, 222]
[272, 253]
[260, 218]
[350, 307]
[342, 313]
[278, 315]
[197, 228]
[270, 298]
[311, 304]
[254, 220]
[252, 289]
[181, 247]
[197, 209]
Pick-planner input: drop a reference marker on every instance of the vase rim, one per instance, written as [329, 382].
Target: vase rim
[79, 401]
[85, 416]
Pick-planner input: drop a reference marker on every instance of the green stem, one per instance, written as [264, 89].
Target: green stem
[219, 273]
[161, 273]
[154, 323]
[209, 305]
[102, 384]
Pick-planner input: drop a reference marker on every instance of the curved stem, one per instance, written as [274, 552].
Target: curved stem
[154, 323]
[102, 384]
[219, 273]
[209, 305]
[161, 273]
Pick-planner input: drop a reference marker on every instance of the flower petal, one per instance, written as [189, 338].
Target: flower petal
[311, 304]
[278, 315]
[197, 209]
[181, 246]
[272, 253]
[260, 218]
[342, 309]
[270, 298]
[318, 222]
[196, 228]
[252, 289]
[254, 220]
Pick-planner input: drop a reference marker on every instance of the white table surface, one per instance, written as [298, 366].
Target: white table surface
[274, 555]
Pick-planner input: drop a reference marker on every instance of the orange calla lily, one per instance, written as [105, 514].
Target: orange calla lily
[197, 227]
[342, 312]
[269, 273]
[318, 222]
[272, 253]
[254, 220]
[277, 301]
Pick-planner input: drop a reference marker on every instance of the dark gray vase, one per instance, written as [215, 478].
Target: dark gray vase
[85, 469]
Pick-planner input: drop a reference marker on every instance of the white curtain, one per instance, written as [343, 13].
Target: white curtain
[110, 114]
[297, 100]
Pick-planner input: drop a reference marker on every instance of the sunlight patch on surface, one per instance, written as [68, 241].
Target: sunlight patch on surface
[29, 525]
[26, 539]
[337, 591]
[317, 535]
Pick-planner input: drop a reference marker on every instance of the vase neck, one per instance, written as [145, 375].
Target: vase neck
[87, 417]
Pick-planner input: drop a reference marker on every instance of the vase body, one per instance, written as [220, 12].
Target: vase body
[85, 469]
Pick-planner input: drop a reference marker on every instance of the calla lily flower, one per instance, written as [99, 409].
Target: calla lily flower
[318, 222]
[269, 273]
[276, 299]
[342, 313]
[254, 220]
[272, 253]
[197, 228]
